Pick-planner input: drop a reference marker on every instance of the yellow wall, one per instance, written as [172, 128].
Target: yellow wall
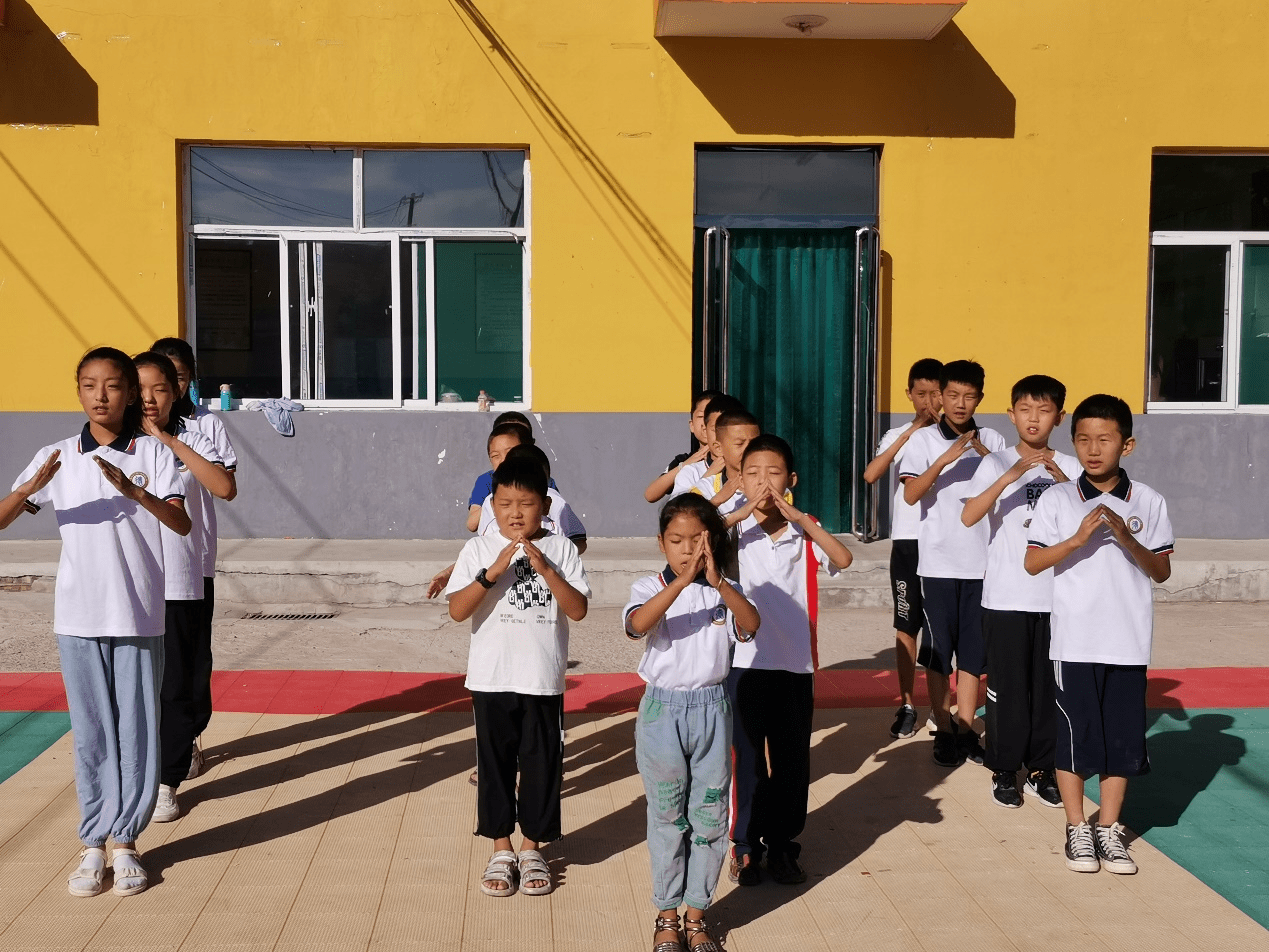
[1015, 170]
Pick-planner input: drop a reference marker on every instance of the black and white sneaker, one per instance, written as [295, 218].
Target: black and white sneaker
[1042, 784]
[971, 749]
[1081, 851]
[1112, 852]
[947, 752]
[1004, 789]
[904, 722]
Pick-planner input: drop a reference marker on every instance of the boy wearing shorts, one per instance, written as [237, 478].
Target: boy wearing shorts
[905, 524]
[1106, 538]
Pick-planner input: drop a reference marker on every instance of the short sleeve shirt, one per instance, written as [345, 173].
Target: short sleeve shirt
[711, 486]
[1103, 609]
[183, 555]
[688, 476]
[519, 636]
[690, 646]
[905, 519]
[1006, 585]
[110, 576]
[779, 575]
[210, 425]
[948, 548]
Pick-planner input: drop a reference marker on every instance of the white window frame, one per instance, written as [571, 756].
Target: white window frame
[423, 394]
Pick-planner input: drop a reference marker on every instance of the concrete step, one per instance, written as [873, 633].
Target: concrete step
[277, 573]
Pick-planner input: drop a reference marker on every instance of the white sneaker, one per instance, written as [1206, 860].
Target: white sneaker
[195, 763]
[166, 809]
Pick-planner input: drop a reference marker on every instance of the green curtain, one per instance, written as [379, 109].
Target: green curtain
[791, 353]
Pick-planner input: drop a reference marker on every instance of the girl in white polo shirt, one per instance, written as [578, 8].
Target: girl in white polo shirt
[115, 492]
[202, 475]
[690, 614]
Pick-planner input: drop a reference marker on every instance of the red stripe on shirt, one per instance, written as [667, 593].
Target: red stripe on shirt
[813, 602]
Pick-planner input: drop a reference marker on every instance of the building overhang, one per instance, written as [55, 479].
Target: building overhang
[826, 19]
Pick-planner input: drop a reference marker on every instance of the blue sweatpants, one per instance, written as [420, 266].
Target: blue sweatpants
[683, 749]
[112, 690]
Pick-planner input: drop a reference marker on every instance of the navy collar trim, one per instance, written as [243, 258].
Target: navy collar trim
[949, 434]
[1122, 490]
[123, 443]
[668, 577]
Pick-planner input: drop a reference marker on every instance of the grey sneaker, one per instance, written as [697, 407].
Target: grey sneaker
[166, 809]
[195, 763]
[1112, 852]
[1081, 851]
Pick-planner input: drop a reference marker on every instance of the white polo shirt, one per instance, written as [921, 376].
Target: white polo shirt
[1007, 586]
[711, 486]
[779, 575]
[690, 646]
[519, 636]
[688, 476]
[208, 423]
[948, 548]
[560, 519]
[183, 555]
[905, 519]
[110, 577]
[1103, 609]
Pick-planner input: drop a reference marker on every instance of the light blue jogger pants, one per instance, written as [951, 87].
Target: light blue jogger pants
[683, 749]
[112, 690]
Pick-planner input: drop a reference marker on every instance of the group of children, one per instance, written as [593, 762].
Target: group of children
[132, 610]
[1014, 561]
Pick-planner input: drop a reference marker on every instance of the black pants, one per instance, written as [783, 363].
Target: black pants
[1021, 704]
[519, 733]
[772, 713]
[203, 662]
[179, 715]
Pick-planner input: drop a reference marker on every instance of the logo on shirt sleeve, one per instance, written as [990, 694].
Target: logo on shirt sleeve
[139, 479]
[1135, 524]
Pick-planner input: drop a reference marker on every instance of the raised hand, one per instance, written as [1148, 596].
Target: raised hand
[956, 450]
[1025, 464]
[787, 509]
[979, 448]
[536, 559]
[1095, 519]
[701, 452]
[1050, 463]
[712, 575]
[44, 475]
[439, 581]
[116, 477]
[1115, 522]
[503, 561]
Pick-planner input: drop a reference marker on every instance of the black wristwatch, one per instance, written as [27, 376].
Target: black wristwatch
[483, 579]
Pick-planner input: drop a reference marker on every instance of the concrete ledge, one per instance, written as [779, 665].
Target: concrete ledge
[382, 573]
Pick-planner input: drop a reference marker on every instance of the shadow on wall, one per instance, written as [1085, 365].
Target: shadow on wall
[941, 87]
[40, 81]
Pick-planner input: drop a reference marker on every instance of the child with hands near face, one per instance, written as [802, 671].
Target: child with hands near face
[664, 484]
[691, 615]
[732, 433]
[712, 463]
[519, 587]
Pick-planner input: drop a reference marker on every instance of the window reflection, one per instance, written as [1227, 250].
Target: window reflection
[786, 182]
[444, 189]
[271, 186]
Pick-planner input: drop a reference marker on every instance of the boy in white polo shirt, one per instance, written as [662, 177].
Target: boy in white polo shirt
[771, 683]
[937, 467]
[1005, 489]
[905, 524]
[692, 473]
[732, 432]
[1106, 538]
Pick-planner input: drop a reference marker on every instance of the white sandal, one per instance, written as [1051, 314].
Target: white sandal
[130, 877]
[533, 868]
[501, 869]
[86, 881]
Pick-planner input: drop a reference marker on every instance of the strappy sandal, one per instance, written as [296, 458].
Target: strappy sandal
[130, 877]
[666, 924]
[501, 869]
[86, 881]
[695, 927]
[533, 868]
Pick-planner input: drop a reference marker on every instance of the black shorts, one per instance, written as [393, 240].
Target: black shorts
[1101, 719]
[905, 586]
[953, 625]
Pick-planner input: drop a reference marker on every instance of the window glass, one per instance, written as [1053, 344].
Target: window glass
[479, 320]
[236, 315]
[1187, 323]
[786, 182]
[1253, 360]
[1209, 193]
[443, 189]
[271, 187]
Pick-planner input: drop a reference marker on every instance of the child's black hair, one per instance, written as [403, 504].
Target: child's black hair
[149, 358]
[737, 417]
[1039, 387]
[182, 351]
[927, 368]
[530, 451]
[513, 416]
[1104, 406]
[692, 504]
[770, 443]
[505, 429]
[706, 395]
[968, 372]
[722, 404]
[132, 413]
[524, 474]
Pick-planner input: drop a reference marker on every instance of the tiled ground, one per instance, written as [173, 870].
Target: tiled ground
[352, 831]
